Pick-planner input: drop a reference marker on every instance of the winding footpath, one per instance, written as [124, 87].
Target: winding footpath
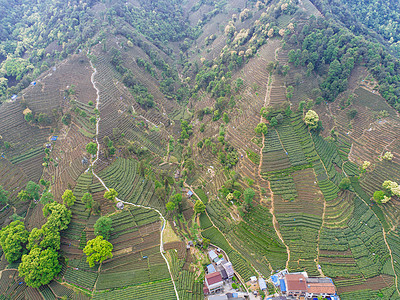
[267, 100]
[104, 185]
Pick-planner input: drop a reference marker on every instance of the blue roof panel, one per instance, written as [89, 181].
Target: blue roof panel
[283, 285]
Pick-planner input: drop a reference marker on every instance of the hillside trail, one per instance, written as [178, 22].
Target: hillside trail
[272, 210]
[105, 186]
[386, 242]
[238, 275]
[319, 235]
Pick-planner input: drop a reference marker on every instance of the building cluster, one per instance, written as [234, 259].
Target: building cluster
[300, 286]
[218, 272]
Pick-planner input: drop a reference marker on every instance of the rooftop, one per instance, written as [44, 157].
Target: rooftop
[320, 288]
[228, 268]
[213, 278]
[296, 282]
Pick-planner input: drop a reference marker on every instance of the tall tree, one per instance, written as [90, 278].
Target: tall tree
[68, 198]
[47, 197]
[43, 238]
[91, 148]
[33, 189]
[13, 239]
[39, 267]
[58, 216]
[3, 195]
[103, 227]
[111, 194]
[97, 250]
[248, 196]
[87, 199]
[199, 207]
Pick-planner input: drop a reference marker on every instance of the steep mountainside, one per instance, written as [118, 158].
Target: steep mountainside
[280, 116]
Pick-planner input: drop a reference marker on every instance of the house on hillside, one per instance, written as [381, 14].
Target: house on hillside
[214, 282]
[320, 287]
[262, 284]
[227, 265]
[295, 285]
[210, 269]
[299, 285]
[213, 256]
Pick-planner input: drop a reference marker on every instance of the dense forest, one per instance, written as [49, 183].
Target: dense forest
[377, 19]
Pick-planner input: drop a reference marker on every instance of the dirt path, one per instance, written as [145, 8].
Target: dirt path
[104, 185]
[387, 245]
[319, 234]
[392, 260]
[240, 278]
[272, 210]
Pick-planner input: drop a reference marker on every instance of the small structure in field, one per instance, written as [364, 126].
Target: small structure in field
[120, 205]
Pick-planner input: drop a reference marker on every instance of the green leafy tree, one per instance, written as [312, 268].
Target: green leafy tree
[111, 194]
[199, 207]
[103, 227]
[176, 199]
[261, 128]
[28, 117]
[33, 189]
[311, 119]
[97, 250]
[58, 216]
[68, 198]
[248, 196]
[3, 195]
[273, 122]
[379, 196]
[13, 238]
[345, 183]
[43, 238]
[24, 196]
[91, 148]
[47, 197]
[225, 118]
[87, 199]
[39, 267]
[302, 104]
[170, 206]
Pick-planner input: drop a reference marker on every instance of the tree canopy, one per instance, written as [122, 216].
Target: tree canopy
[199, 207]
[58, 215]
[13, 238]
[261, 128]
[345, 183]
[91, 148]
[39, 267]
[248, 196]
[47, 197]
[43, 238]
[311, 119]
[68, 198]
[97, 250]
[103, 227]
[87, 199]
[111, 194]
[3, 195]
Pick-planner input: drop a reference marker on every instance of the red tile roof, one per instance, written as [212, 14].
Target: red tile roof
[296, 282]
[213, 278]
[320, 288]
